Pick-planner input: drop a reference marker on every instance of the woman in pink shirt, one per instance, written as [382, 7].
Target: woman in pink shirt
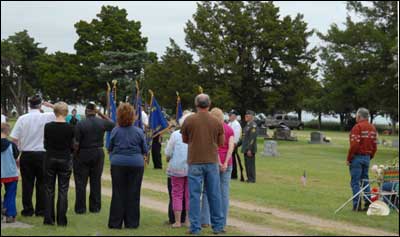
[225, 167]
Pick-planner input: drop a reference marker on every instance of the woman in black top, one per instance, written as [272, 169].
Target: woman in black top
[58, 142]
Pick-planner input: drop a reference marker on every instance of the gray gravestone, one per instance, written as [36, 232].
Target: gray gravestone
[317, 138]
[281, 134]
[395, 143]
[270, 148]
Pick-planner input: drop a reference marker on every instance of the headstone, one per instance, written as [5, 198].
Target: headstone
[283, 134]
[270, 148]
[395, 143]
[317, 138]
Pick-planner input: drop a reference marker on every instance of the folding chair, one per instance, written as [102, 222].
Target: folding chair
[390, 175]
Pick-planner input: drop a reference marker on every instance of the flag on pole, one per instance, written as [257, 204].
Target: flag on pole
[113, 115]
[304, 178]
[138, 108]
[179, 112]
[157, 122]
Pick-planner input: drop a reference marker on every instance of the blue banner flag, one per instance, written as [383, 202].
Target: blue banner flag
[157, 121]
[138, 121]
[113, 116]
[137, 103]
[179, 112]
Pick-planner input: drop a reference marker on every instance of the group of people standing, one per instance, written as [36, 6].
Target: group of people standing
[51, 149]
[200, 166]
[52, 145]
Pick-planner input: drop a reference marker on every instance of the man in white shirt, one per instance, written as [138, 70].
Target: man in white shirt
[237, 131]
[28, 134]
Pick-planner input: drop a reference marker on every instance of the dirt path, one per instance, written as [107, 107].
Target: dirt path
[339, 227]
[17, 224]
[240, 225]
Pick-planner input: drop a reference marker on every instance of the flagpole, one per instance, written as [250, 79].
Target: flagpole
[137, 92]
[147, 160]
[115, 90]
[108, 99]
[178, 98]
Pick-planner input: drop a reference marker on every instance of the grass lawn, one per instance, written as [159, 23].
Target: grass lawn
[328, 181]
[151, 223]
[278, 185]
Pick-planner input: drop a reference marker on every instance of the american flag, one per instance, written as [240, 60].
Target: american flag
[304, 178]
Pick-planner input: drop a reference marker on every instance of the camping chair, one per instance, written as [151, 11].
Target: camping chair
[390, 175]
[391, 197]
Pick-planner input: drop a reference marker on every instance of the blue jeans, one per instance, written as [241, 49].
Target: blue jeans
[359, 172]
[225, 179]
[209, 174]
[10, 199]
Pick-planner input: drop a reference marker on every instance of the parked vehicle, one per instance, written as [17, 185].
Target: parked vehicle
[284, 119]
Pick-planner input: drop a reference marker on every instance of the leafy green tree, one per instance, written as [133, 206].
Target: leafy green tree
[60, 77]
[317, 101]
[176, 71]
[356, 61]
[19, 52]
[125, 68]
[99, 42]
[247, 54]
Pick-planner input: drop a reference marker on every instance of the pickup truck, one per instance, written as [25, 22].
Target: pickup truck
[288, 120]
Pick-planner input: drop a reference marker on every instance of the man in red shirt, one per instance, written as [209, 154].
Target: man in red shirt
[362, 150]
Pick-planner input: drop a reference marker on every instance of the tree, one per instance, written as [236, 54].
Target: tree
[176, 71]
[111, 31]
[60, 77]
[356, 61]
[247, 53]
[125, 68]
[316, 101]
[19, 53]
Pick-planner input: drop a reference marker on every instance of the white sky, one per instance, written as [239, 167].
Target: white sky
[52, 22]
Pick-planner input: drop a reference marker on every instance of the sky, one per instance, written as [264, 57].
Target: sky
[52, 23]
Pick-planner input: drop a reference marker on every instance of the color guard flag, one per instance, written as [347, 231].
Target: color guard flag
[113, 116]
[179, 112]
[157, 121]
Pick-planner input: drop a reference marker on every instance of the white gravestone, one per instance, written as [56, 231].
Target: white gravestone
[271, 148]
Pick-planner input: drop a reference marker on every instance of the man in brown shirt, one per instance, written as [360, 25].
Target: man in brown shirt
[203, 134]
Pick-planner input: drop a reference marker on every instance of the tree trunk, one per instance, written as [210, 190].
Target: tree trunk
[299, 114]
[319, 121]
[372, 117]
[341, 116]
[393, 126]
[26, 104]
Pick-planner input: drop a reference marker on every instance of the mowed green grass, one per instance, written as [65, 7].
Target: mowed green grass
[151, 223]
[328, 180]
[278, 180]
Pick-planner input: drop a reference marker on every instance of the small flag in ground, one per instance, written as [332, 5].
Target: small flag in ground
[304, 178]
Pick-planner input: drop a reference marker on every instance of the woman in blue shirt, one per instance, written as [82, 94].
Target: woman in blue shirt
[127, 150]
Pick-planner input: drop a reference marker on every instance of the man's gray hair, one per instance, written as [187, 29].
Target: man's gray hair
[202, 101]
[363, 113]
